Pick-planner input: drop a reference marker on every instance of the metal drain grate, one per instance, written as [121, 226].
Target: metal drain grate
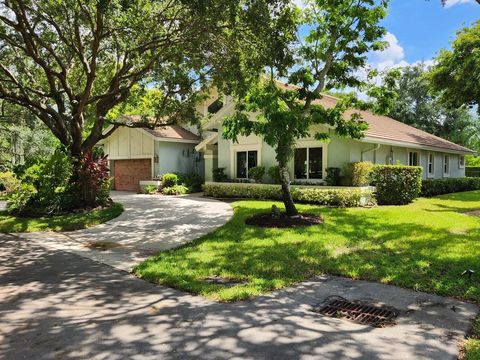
[366, 314]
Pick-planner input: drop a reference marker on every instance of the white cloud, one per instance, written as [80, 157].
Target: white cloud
[450, 3]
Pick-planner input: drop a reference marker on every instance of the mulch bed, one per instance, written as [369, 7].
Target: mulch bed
[473, 213]
[283, 221]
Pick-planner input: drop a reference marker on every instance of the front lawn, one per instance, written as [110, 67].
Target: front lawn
[69, 222]
[424, 246]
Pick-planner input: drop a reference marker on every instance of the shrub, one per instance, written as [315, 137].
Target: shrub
[274, 173]
[333, 177]
[358, 173]
[313, 195]
[397, 184]
[20, 199]
[472, 171]
[433, 187]
[169, 180]
[192, 181]
[94, 180]
[149, 189]
[175, 190]
[9, 183]
[257, 173]
[219, 174]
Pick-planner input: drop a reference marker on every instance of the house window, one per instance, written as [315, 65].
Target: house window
[245, 161]
[461, 161]
[308, 163]
[431, 164]
[446, 164]
[413, 158]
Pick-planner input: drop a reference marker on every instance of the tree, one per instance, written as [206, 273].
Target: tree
[340, 34]
[415, 105]
[456, 73]
[70, 62]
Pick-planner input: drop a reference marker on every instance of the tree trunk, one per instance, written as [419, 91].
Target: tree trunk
[290, 208]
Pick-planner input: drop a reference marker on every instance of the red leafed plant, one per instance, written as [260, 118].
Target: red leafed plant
[94, 179]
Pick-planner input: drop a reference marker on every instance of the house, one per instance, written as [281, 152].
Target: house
[138, 154]
[386, 141]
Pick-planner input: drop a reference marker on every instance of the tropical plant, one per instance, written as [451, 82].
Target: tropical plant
[257, 173]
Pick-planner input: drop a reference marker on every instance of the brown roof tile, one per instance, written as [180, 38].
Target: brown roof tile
[386, 128]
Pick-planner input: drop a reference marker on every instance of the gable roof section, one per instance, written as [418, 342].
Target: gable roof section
[385, 128]
[162, 133]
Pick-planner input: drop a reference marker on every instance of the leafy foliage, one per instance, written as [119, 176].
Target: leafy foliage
[257, 173]
[169, 180]
[434, 187]
[149, 189]
[274, 174]
[333, 177]
[415, 105]
[94, 181]
[219, 174]
[456, 72]
[339, 36]
[192, 181]
[358, 173]
[397, 184]
[9, 183]
[175, 190]
[310, 195]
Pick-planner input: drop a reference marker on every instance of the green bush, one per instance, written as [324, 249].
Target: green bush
[333, 177]
[9, 183]
[175, 190]
[192, 181]
[148, 189]
[433, 187]
[397, 184]
[20, 199]
[313, 195]
[274, 173]
[169, 180]
[358, 173]
[472, 171]
[257, 173]
[219, 175]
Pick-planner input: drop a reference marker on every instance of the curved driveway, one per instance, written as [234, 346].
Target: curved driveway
[148, 224]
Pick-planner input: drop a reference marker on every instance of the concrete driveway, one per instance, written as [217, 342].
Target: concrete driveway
[57, 305]
[148, 224]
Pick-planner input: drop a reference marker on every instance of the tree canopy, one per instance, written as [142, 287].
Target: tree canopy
[70, 62]
[455, 77]
[329, 56]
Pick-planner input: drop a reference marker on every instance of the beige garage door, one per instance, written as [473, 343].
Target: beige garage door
[127, 173]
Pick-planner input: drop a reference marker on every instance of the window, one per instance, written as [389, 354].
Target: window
[245, 161]
[308, 163]
[431, 164]
[461, 161]
[446, 164]
[413, 158]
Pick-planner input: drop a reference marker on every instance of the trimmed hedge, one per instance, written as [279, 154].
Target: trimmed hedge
[311, 195]
[433, 187]
[358, 173]
[472, 171]
[397, 184]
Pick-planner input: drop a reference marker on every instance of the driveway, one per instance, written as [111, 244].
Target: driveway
[58, 305]
[148, 224]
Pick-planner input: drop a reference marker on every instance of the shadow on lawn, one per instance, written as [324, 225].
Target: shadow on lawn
[58, 305]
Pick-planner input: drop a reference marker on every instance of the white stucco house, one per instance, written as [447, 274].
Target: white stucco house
[138, 154]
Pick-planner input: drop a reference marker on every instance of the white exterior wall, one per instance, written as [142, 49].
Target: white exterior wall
[127, 143]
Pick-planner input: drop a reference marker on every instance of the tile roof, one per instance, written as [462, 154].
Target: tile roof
[166, 131]
[388, 129]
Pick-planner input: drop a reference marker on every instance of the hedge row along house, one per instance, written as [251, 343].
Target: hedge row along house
[141, 154]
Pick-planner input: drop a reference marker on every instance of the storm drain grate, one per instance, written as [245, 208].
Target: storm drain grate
[366, 314]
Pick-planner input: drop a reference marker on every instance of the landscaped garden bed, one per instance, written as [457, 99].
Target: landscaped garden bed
[67, 222]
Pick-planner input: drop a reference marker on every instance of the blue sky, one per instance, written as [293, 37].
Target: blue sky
[418, 29]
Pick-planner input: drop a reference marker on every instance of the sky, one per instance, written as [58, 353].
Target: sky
[418, 29]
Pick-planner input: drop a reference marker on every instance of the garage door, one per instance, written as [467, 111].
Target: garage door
[127, 173]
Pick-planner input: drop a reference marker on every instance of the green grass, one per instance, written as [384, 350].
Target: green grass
[472, 345]
[424, 246]
[69, 222]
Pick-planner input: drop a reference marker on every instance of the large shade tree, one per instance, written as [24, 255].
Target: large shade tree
[455, 77]
[70, 62]
[339, 35]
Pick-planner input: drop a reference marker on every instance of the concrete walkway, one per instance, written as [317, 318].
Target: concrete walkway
[57, 305]
[148, 224]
